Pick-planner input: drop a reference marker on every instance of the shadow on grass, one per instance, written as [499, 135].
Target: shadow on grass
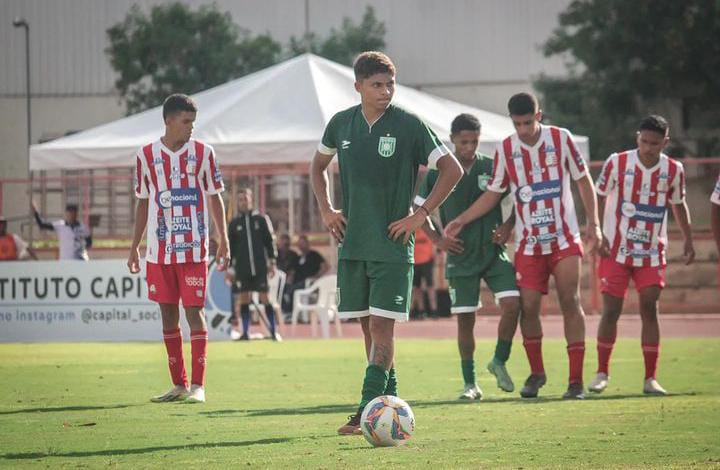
[53, 409]
[145, 450]
[350, 407]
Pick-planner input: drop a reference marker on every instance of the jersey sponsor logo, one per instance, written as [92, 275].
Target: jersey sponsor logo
[539, 191]
[217, 176]
[179, 197]
[345, 144]
[542, 217]
[386, 146]
[643, 212]
[181, 246]
[194, 281]
[542, 238]
[483, 181]
[550, 157]
[638, 252]
[635, 234]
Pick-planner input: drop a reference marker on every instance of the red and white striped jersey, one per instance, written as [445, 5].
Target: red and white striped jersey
[539, 179]
[176, 184]
[635, 218]
[715, 196]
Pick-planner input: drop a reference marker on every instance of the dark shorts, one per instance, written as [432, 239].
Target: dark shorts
[250, 284]
[423, 271]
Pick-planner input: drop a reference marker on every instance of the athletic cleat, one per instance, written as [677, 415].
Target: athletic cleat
[197, 394]
[574, 392]
[352, 427]
[532, 385]
[472, 392]
[599, 383]
[504, 382]
[178, 392]
[652, 387]
[276, 337]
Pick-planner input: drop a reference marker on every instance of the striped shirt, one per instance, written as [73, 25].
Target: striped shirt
[635, 218]
[176, 185]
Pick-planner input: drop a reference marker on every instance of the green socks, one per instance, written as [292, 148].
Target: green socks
[502, 351]
[391, 387]
[468, 370]
[374, 385]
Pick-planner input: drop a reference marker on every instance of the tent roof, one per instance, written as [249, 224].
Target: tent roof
[273, 116]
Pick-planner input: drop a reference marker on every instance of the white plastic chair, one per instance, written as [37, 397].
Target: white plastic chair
[323, 309]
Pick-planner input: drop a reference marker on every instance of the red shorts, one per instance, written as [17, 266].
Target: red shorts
[533, 271]
[615, 277]
[168, 283]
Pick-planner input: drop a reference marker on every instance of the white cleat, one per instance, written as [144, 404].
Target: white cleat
[652, 387]
[599, 383]
[472, 392]
[178, 392]
[197, 394]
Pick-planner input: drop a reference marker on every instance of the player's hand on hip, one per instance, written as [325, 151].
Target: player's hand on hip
[453, 246]
[406, 226]
[222, 258]
[335, 222]
[133, 261]
[688, 252]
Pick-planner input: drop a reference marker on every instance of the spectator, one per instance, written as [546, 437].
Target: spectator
[311, 264]
[12, 247]
[287, 262]
[423, 285]
[74, 238]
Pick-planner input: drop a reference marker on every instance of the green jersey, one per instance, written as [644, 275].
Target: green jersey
[479, 250]
[378, 167]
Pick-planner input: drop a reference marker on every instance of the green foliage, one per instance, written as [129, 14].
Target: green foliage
[342, 45]
[628, 59]
[277, 405]
[176, 49]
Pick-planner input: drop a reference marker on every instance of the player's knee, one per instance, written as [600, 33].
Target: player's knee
[510, 306]
[465, 320]
[611, 315]
[570, 303]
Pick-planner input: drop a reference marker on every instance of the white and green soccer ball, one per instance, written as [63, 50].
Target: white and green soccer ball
[387, 421]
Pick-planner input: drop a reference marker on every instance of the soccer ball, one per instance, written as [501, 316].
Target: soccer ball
[387, 421]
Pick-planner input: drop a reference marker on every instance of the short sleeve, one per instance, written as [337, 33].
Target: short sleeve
[715, 196]
[677, 187]
[500, 181]
[431, 148]
[211, 180]
[574, 161]
[426, 186]
[141, 180]
[607, 179]
[328, 145]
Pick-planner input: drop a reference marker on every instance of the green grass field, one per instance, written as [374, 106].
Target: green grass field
[278, 405]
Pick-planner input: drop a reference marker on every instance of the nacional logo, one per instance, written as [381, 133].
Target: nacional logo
[525, 194]
[178, 197]
[628, 209]
[539, 191]
[386, 146]
[483, 181]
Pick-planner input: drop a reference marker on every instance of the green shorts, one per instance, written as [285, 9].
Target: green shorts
[374, 288]
[465, 290]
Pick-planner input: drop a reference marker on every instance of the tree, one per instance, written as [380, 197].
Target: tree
[344, 44]
[628, 59]
[175, 49]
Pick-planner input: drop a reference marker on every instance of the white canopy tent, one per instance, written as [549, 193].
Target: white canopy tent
[272, 117]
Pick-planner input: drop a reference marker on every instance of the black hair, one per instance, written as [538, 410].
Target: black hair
[71, 207]
[465, 122]
[177, 103]
[372, 62]
[523, 103]
[655, 123]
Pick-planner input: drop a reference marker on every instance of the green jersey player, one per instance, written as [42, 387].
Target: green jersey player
[380, 147]
[478, 254]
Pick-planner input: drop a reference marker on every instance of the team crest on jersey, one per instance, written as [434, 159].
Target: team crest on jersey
[386, 146]
[483, 181]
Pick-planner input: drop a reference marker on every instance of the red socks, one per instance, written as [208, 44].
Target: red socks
[173, 344]
[533, 349]
[651, 351]
[198, 343]
[576, 356]
[604, 350]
